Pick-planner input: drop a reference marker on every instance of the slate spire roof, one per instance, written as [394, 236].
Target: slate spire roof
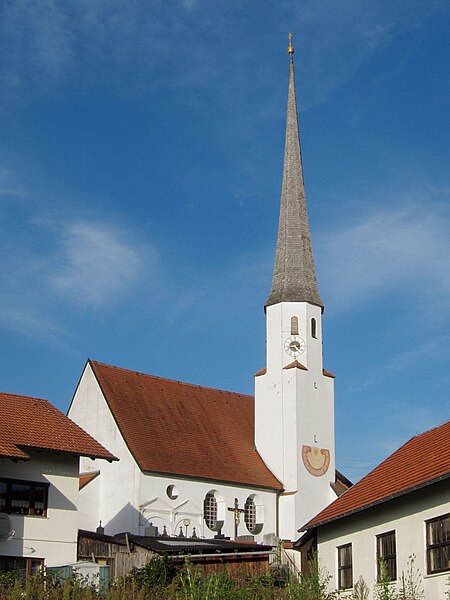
[294, 275]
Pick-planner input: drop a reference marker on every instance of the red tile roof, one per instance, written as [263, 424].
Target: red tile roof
[185, 429]
[423, 460]
[34, 423]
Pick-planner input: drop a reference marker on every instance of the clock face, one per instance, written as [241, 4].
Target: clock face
[294, 345]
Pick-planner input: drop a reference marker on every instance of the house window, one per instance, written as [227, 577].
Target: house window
[21, 567]
[210, 511]
[23, 497]
[294, 326]
[386, 554]
[313, 328]
[438, 544]
[345, 567]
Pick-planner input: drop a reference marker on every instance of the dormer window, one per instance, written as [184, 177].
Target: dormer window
[294, 325]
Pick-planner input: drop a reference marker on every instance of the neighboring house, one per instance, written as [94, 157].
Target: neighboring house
[400, 509]
[226, 463]
[40, 450]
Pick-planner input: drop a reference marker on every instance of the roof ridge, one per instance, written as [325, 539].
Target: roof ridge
[26, 396]
[399, 449]
[417, 435]
[158, 377]
[408, 452]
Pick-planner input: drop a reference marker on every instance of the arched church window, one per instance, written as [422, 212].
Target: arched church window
[254, 514]
[210, 511]
[294, 325]
[313, 328]
[250, 514]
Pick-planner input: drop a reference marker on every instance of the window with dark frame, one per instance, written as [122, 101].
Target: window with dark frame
[19, 497]
[21, 567]
[387, 555]
[438, 544]
[345, 567]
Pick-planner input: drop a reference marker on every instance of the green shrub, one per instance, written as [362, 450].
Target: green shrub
[312, 586]
[411, 582]
[360, 590]
[384, 588]
[156, 574]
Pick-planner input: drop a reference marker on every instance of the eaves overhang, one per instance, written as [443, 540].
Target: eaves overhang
[383, 500]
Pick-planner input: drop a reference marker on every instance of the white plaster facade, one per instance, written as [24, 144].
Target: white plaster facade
[294, 407]
[52, 538]
[407, 516]
[126, 499]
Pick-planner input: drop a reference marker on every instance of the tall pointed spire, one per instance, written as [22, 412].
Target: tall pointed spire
[294, 275]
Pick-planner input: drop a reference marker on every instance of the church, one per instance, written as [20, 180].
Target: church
[208, 463]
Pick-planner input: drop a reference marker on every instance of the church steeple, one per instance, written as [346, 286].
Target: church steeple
[294, 275]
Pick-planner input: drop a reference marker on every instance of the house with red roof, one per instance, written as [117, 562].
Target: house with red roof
[400, 509]
[40, 450]
[213, 463]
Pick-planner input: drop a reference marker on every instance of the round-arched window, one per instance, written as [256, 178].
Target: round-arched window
[210, 511]
[254, 514]
[313, 328]
[250, 514]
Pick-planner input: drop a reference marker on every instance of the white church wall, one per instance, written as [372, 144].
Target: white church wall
[129, 500]
[188, 504]
[118, 481]
[53, 537]
[406, 516]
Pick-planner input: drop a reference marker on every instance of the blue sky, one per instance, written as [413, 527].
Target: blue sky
[141, 157]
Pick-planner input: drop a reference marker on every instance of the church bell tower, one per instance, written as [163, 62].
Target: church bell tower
[294, 397]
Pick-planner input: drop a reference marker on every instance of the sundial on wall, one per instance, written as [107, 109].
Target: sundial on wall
[316, 460]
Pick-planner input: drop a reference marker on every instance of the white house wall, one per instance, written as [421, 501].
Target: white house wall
[88, 506]
[129, 500]
[54, 537]
[406, 516]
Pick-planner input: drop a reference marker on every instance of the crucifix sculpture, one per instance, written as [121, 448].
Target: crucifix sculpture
[237, 516]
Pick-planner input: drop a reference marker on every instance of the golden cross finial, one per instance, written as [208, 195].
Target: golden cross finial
[290, 47]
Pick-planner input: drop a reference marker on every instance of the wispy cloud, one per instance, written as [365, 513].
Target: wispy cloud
[58, 264]
[405, 250]
[403, 361]
[95, 265]
[345, 35]
[8, 189]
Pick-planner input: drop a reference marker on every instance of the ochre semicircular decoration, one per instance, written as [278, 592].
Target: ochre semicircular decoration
[316, 460]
